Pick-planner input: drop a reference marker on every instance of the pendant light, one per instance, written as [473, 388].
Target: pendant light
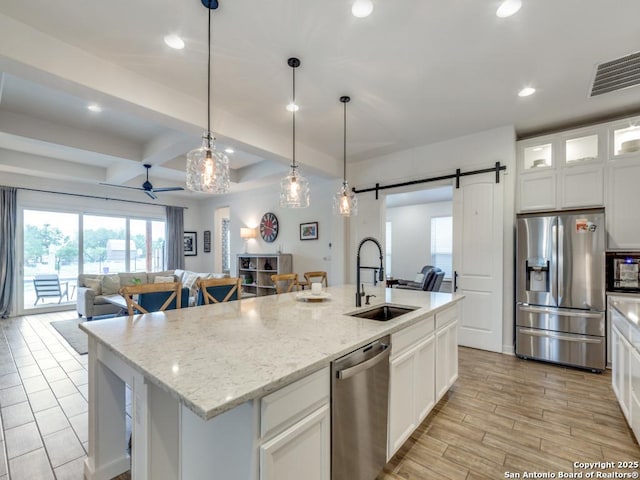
[208, 169]
[345, 201]
[294, 188]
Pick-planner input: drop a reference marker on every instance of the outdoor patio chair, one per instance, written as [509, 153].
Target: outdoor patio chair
[49, 286]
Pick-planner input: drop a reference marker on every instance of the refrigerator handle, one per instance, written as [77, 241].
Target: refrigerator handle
[559, 293]
[455, 281]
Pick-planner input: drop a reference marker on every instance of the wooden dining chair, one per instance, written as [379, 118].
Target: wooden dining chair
[153, 297]
[320, 277]
[218, 290]
[285, 282]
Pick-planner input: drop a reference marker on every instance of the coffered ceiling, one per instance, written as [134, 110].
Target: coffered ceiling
[418, 72]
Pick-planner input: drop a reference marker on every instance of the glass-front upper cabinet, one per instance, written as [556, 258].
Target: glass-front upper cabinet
[537, 156]
[626, 139]
[582, 149]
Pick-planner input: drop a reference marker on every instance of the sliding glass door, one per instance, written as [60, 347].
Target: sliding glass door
[57, 246]
[50, 252]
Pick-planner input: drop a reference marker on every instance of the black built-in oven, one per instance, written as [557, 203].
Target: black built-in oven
[623, 272]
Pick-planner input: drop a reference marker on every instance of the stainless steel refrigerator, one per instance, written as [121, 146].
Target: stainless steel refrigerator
[560, 288]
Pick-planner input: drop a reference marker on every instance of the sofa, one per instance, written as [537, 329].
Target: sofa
[93, 288]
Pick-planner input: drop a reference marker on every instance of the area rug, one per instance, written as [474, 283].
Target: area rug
[73, 335]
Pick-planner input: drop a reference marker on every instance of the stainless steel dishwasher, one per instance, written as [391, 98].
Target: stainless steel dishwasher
[359, 401]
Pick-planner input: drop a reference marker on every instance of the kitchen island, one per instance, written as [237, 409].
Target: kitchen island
[199, 376]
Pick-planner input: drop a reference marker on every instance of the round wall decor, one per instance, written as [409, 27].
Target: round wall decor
[269, 227]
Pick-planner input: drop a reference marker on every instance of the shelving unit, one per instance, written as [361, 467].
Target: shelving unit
[255, 274]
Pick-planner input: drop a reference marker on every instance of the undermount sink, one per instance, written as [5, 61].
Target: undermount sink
[383, 312]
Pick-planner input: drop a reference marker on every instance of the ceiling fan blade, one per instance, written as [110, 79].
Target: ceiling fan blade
[151, 194]
[168, 189]
[121, 186]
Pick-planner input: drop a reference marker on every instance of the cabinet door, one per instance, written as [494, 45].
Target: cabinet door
[442, 362]
[302, 451]
[402, 416]
[452, 353]
[424, 380]
[537, 191]
[634, 413]
[623, 200]
[620, 370]
[581, 186]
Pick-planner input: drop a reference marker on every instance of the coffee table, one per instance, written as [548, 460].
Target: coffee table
[118, 301]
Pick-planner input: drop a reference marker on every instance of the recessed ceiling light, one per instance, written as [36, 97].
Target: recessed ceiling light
[229, 150]
[525, 92]
[174, 41]
[362, 8]
[508, 8]
[292, 107]
[94, 107]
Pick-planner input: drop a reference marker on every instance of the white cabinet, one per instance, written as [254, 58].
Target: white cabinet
[622, 205]
[561, 171]
[620, 367]
[634, 359]
[423, 366]
[446, 350]
[301, 451]
[295, 430]
[411, 381]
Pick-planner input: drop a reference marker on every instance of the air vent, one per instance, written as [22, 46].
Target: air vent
[623, 72]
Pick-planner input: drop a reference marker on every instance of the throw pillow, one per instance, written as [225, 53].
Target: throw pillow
[190, 281]
[178, 274]
[94, 284]
[419, 277]
[110, 284]
[161, 279]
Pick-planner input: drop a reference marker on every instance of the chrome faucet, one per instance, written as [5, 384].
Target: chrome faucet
[360, 294]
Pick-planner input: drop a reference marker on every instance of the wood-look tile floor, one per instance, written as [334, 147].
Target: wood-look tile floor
[502, 415]
[507, 415]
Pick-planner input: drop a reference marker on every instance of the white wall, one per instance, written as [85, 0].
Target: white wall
[476, 151]
[247, 208]
[411, 236]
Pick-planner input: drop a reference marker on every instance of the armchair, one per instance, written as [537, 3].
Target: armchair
[430, 281]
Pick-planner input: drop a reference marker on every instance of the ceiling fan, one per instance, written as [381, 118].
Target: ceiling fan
[147, 187]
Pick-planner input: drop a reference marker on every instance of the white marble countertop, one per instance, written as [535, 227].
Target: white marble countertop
[629, 308]
[215, 357]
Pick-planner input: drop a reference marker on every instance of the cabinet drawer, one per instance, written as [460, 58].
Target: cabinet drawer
[447, 316]
[407, 337]
[286, 406]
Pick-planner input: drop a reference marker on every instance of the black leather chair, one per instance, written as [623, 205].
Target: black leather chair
[427, 276]
[434, 285]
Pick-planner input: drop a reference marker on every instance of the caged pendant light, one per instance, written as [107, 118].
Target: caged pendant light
[345, 201]
[208, 169]
[294, 188]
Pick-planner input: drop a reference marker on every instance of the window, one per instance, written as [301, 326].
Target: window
[442, 244]
[226, 242]
[387, 248]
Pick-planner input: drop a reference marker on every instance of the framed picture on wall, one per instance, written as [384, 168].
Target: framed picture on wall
[309, 231]
[190, 243]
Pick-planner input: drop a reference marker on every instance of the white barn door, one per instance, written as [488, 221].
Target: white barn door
[477, 260]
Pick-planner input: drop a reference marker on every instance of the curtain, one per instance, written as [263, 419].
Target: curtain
[8, 214]
[175, 238]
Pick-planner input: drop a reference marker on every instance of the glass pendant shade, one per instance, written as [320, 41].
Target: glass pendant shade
[345, 201]
[207, 169]
[294, 190]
